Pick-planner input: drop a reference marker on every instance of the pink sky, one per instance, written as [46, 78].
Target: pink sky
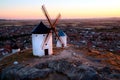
[31, 9]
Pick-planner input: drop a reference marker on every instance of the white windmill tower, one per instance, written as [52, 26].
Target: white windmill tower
[42, 37]
[38, 36]
[63, 36]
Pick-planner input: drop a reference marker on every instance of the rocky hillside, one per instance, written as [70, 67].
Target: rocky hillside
[66, 64]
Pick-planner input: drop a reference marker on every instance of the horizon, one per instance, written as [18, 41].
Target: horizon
[66, 18]
[74, 9]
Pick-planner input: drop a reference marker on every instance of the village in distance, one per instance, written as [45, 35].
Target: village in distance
[90, 42]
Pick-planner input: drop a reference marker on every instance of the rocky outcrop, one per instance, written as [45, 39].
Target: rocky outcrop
[21, 72]
[56, 70]
[80, 72]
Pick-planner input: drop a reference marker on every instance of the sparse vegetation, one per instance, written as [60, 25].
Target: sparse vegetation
[20, 57]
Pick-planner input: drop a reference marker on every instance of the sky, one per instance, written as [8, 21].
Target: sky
[69, 9]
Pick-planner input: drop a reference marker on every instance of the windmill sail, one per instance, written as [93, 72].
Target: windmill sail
[52, 26]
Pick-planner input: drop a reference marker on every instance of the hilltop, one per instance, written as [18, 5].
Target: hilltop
[66, 64]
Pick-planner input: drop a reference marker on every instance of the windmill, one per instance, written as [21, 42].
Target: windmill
[52, 27]
[42, 36]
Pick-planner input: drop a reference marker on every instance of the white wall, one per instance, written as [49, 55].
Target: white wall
[64, 39]
[49, 45]
[37, 43]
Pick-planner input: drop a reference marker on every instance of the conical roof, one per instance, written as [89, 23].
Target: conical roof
[41, 29]
[61, 33]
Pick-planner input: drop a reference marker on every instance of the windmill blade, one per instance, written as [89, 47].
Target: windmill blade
[46, 14]
[51, 25]
[54, 29]
[50, 34]
[46, 39]
[55, 22]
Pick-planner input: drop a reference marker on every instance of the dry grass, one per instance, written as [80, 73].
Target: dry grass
[106, 58]
[20, 57]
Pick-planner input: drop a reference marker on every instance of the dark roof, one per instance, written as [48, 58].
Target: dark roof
[61, 33]
[41, 29]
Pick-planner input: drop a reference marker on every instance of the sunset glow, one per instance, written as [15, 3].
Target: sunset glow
[31, 9]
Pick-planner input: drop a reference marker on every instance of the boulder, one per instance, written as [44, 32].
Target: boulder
[75, 73]
[61, 69]
[20, 72]
[10, 73]
[42, 65]
[115, 76]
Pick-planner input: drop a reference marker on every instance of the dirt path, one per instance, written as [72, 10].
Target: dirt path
[69, 54]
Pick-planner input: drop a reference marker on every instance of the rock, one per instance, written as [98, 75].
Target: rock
[85, 73]
[106, 70]
[15, 62]
[61, 69]
[75, 73]
[73, 54]
[115, 76]
[60, 66]
[77, 63]
[25, 72]
[9, 73]
[20, 72]
[42, 65]
[40, 74]
[57, 76]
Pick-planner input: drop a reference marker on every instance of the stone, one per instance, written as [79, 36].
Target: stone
[10, 73]
[75, 73]
[61, 69]
[42, 65]
[60, 66]
[15, 62]
[115, 76]
[25, 72]
[39, 74]
[19, 72]
[106, 70]
[85, 73]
